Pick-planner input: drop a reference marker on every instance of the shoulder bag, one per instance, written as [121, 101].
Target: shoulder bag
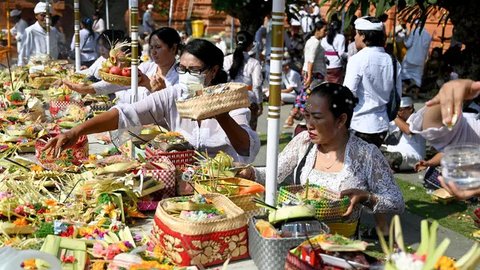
[394, 100]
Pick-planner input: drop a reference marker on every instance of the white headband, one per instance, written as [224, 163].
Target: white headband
[364, 24]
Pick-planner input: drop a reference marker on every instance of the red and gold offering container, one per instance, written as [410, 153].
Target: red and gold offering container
[204, 242]
[74, 154]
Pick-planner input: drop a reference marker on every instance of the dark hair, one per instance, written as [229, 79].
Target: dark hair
[97, 13]
[316, 26]
[168, 35]
[373, 38]
[210, 55]
[340, 99]
[437, 50]
[88, 23]
[244, 40]
[333, 28]
[110, 37]
[55, 19]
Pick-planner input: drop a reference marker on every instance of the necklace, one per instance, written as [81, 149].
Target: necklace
[328, 158]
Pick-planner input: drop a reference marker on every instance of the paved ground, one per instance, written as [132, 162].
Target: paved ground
[410, 222]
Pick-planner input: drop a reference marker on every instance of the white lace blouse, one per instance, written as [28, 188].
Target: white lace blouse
[364, 168]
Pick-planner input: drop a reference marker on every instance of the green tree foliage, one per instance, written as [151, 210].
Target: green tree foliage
[250, 13]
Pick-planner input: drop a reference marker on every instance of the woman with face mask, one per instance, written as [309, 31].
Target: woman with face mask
[200, 62]
[155, 75]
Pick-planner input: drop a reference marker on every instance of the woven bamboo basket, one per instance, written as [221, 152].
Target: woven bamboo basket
[42, 82]
[203, 243]
[328, 208]
[234, 96]
[243, 201]
[115, 79]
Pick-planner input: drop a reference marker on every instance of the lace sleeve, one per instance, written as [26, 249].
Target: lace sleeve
[382, 184]
[287, 159]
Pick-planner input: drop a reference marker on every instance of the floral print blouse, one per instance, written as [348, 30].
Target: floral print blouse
[364, 168]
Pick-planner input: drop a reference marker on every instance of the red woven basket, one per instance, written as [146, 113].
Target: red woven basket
[57, 106]
[179, 158]
[75, 153]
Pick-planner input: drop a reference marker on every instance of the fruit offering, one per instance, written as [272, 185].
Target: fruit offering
[118, 62]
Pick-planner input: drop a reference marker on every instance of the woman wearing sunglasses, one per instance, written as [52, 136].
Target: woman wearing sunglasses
[200, 62]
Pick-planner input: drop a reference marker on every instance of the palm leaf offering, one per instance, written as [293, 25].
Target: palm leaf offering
[429, 255]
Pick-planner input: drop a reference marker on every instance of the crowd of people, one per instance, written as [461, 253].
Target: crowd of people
[339, 84]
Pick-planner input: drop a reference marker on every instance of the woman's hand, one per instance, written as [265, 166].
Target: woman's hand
[152, 84]
[460, 194]
[157, 83]
[421, 165]
[356, 196]
[247, 173]
[451, 97]
[61, 141]
[144, 80]
[79, 88]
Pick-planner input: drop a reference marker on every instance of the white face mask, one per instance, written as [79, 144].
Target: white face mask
[193, 82]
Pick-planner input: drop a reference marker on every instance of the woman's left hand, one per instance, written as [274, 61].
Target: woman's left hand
[356, 196]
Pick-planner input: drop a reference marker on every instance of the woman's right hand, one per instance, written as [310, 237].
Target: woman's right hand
[451, 97]
[60, 142]
[421, 165]
[247, 173]
[79, 88]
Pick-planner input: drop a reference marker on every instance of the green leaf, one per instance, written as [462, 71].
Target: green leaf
[365, 6]
[380, 8]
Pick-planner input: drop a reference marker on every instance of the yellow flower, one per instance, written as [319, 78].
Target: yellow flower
[150, 265]
[50, 202]
[21, 221]
[36, 168]
[98, 265]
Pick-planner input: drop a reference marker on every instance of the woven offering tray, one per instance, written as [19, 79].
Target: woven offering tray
[210, 103]
[329, 207]
[115, 79]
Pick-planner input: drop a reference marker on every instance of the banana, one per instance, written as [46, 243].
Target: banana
[291, 212]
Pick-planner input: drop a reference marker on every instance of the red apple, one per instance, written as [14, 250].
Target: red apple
[116, 70]
[127, 72]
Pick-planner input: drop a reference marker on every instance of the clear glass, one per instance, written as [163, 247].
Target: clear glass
[461, 165]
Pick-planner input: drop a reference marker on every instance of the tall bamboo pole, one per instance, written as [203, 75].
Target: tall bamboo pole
[134, 65]
[134, 37]
[9, 35]
[276, 55]
[47, 20]
[107, 14]
[76, 12]
[170, 14]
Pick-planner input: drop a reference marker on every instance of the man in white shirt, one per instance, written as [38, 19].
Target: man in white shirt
[35, 38]
[220, 43]
[410, 147]
[417, 44]
[148, 25]
[369, 76]
[306, 22]
[18, 30]
[291, 83]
